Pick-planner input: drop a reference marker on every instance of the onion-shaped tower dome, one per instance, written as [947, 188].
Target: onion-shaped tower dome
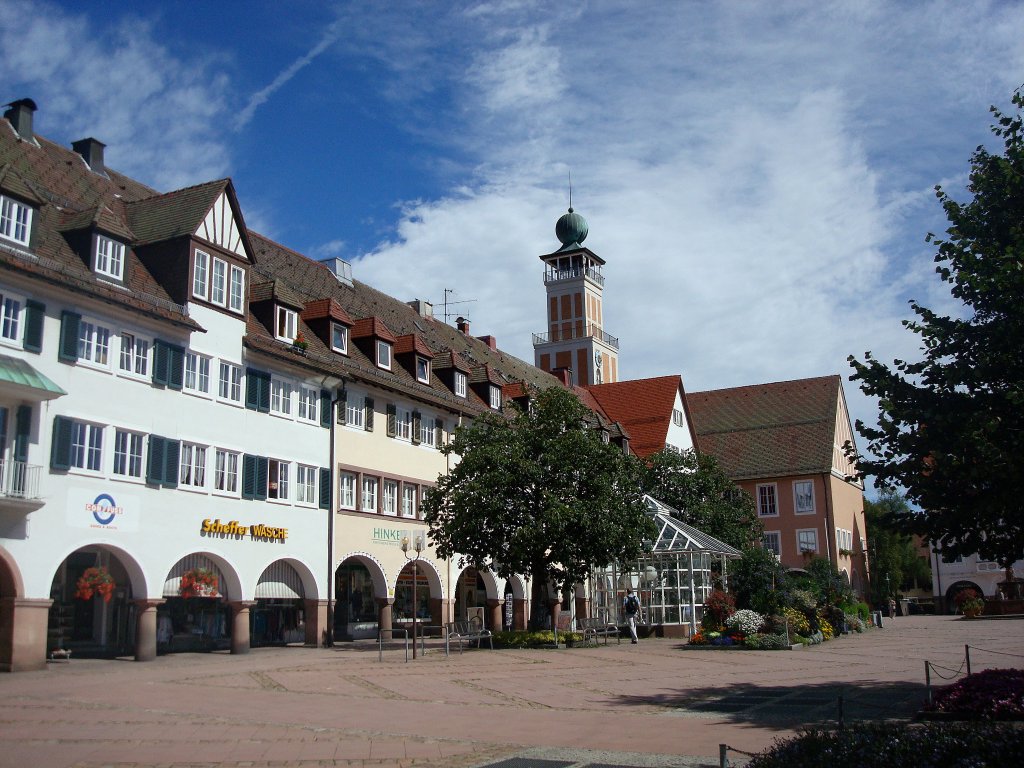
[571, 230]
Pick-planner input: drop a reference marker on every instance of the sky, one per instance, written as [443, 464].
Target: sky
[759, 177]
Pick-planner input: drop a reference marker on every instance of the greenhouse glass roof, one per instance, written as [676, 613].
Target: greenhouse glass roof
[676, 536]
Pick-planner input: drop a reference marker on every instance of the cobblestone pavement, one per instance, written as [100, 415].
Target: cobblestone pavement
[652, 704]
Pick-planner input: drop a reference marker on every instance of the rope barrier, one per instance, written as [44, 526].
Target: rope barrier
[1001, 653]
[956, 672]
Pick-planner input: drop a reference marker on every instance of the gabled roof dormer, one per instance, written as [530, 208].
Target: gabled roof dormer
[330, 322]
[375, 340]
[19, 205]
[101, 238]
[487, 385]
[453, 370]
[415, 356]
[277, 306]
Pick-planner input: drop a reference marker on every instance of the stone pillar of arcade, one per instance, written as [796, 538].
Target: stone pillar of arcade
[145, 628]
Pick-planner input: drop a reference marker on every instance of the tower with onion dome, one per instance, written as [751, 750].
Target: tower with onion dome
[575, 339]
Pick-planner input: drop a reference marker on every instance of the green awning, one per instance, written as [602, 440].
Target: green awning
[21, 380]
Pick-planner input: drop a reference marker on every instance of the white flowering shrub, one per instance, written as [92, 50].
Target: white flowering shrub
[746, 621]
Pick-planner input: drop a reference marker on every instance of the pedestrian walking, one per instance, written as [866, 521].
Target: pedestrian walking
[892, 608]
[631, 607]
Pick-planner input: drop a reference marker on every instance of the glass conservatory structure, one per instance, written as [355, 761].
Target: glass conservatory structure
[672, 579]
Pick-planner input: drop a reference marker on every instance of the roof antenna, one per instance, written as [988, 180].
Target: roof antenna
[570, 190]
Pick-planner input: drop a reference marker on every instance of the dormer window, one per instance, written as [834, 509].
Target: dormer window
[383, 355]
[287, 324]
[236, 290]
[339, 338]
[460, 384]
[109, 257]
[423, 370]
[15, 220]
[200, 274]
[495, 397]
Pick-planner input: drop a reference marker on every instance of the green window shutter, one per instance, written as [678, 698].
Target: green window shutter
[155, 460]
[264, 402]
[248, 476]
[368, 410]
[325, 408]
[175, 367]
[325, 488]
[172, 454]
[69, 326]
[438, 432]
[60, 449]
[417, 422]
[22, 432]
[34, 314]
[257, 390]
[342, 404]
[161, 361]
[392, 419]
[262, 468]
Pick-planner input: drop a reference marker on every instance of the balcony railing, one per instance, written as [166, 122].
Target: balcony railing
[591, 331]
[19, 480]
[557, 275]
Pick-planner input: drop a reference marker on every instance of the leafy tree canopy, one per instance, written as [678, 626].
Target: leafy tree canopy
[704, 495]
[951, 426]
[539, 494]
[759, 581]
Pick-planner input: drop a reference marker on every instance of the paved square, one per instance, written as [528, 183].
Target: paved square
[652, 704]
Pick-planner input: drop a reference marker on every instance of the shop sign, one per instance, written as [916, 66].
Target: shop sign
[236, 530]
[391, 536]
[105, 510]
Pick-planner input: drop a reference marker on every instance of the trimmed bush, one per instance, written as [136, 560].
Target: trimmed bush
[766, 642]
[541, 639]
[895, 745]
[995, 694]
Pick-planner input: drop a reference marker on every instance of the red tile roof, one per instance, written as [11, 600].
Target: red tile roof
[411, 342]
[321, 308]
[643, 407]
[372, 326]
[769, 430]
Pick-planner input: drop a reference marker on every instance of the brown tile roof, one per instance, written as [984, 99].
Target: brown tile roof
[372, 326]
[175, 214]
[448, 359]
[321, 308]
[643, 407]
[769, 430]
[102, 217]
[411, 342]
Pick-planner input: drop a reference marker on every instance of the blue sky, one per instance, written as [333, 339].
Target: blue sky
[758, 176]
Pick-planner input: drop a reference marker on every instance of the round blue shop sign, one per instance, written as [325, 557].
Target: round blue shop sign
[104, 502]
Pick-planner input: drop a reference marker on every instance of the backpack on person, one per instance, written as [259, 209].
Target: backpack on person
[632, 605]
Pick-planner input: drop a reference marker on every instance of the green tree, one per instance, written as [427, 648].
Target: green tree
[704, 495]
[538, 493]
[758, 581]
[891, 552]
[951, 426]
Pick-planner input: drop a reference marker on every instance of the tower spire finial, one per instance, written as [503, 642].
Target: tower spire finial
[570, 190]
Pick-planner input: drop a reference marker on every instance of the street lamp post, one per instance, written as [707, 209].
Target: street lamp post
[418, 547]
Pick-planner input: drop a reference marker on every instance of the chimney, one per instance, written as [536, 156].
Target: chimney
[462, 324]
[490, 341]
[564, 375]
[423, 308]
[91, 151]
[20, 117]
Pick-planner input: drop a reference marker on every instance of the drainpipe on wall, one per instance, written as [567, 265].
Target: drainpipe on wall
[329, 629]
[829, 523]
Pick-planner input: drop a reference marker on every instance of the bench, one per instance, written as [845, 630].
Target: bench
[466, 632]
[598, 627]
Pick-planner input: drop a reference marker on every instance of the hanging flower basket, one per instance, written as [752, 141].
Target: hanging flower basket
[198, 582]
[95, 581]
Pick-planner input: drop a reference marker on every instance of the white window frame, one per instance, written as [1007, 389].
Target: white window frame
[309, 404]
[346, 490]
[229, 382]
[286, 323]
[428, 433]
[305, 484]
[806, 533]
[11, 308]
[219, 282]
[775, 536]
[339, 338]
[368, 497]
[94, 343]
[15, 220]
[134, 355]
[389, 498]
[403, 424]
[197, 373]
[225, 471]
[495, 397]
[422, 370]
[86, 446]
[355, 411]
[277, 480]
[128, 452]
[384, 354]
[677, 417]
[800, 499]
[281, 396]
[236, 290]
[109, 259]
[763, 490]
[409, 500]
[201, 275]
[192, 466]
[460, 384]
